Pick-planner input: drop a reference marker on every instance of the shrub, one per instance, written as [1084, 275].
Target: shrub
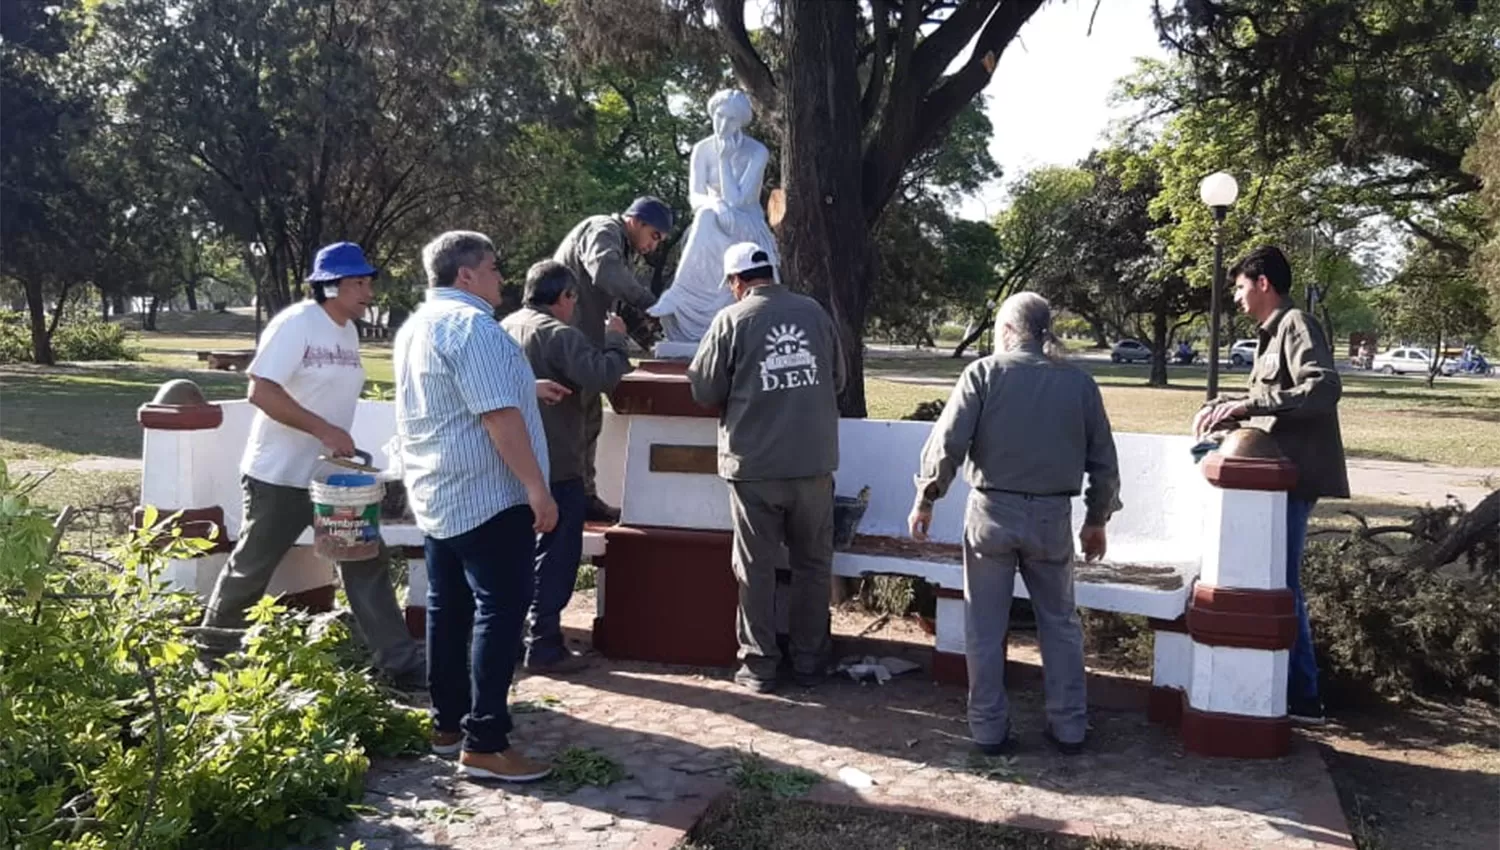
[1383, 625]
[86, 337]
[15, 337]
[112, 736]
[926, 411]
[80, 336]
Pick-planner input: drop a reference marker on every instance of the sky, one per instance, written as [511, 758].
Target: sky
[1049, 97]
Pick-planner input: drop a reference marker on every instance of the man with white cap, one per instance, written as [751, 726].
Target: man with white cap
[599, 251]
[771, 363]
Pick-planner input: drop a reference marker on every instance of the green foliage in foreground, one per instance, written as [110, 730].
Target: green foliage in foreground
[112, 735]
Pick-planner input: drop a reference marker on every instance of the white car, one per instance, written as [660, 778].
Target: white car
[1400, 361]
[1242, 353]
[1129, 351]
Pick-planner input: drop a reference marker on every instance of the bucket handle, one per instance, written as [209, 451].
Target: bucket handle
[367, 461]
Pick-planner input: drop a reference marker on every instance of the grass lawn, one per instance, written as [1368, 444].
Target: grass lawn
[1456, 423]
[78, 410]
[750, 821]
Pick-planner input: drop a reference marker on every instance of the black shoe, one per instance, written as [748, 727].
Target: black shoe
[1067, 748]
[599, 511]
[809, 680]
[1306, 712]
[411, 681]
[1006, 746]
[747, 679]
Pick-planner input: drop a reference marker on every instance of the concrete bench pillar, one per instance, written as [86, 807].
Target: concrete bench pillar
[667, 591]
[183, 469]
[1241, 620]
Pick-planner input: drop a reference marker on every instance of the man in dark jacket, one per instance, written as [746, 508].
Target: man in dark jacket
[600, 251]
[560, 352]
[771, 362]
[1295, 381]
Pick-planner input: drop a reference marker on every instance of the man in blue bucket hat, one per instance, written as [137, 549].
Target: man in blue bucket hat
[305, 383]
[600, 251]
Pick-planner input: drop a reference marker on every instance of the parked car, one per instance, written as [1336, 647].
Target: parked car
[1242, 353]
[1400, 361]
[1129, 351]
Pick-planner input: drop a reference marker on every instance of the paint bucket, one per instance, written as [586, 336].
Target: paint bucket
[847, 513]
[346, 515]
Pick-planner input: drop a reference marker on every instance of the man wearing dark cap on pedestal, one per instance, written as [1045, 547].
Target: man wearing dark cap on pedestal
[600, 251]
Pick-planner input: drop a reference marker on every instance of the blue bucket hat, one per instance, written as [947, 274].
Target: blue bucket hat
[340, 260]
[651, 211]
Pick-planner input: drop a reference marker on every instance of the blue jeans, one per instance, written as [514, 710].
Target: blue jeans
[557, 555]
[1302, 666]
[478, 583]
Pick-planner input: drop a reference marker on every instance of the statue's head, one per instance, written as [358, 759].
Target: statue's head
[730, 111]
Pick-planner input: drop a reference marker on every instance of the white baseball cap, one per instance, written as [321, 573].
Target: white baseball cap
[744, 256]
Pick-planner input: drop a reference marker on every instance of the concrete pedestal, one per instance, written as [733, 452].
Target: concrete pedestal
[1241, 620]
[667, 591]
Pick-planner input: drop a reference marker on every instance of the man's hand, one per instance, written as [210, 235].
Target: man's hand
[1210, 418]
[543, 508]
[920, 522]
[337, 442]
[614, 324]
[1200, 418]
[551, 392]
[1091, 538]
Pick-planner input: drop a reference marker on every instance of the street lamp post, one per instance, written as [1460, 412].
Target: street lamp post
[257, 250]
[1218, 192]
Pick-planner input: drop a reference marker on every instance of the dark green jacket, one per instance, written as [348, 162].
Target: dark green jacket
[560, 352]
[1294, 380]
[772, 364]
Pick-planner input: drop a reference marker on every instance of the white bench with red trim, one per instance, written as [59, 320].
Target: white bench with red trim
[1199, 550]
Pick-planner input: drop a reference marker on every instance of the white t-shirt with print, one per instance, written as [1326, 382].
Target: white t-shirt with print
[317, 363]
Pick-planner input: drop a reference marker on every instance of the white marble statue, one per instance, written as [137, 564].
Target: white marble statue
[726, 172]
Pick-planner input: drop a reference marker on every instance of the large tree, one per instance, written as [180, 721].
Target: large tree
[1390, 91]
[1030, 232]
[856, 92]
[44, 129]
[310, 121]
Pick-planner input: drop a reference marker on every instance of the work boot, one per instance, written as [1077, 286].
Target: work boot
[599, 511]
[569, 662]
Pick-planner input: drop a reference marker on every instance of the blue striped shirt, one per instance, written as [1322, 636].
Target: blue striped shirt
[455, 363]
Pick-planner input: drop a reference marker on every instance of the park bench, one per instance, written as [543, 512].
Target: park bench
[1197, 549]
[228, 361]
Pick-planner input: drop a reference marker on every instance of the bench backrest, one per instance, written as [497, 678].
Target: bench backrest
[1163, 493]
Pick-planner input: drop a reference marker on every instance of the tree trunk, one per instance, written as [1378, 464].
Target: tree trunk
[148, 322]
[103, 304]
[1101, 337]
[826, 247]
[119, 302]
[41, 337]
[1437, 358]
[192, 294]
[1159, 344]
[973, 336]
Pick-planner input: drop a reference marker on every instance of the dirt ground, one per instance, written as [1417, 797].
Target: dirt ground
[1422, 776]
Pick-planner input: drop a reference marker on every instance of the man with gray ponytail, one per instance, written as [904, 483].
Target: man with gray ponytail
[1029, 426]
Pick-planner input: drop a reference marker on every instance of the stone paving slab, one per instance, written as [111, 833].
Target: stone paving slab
[678, 735]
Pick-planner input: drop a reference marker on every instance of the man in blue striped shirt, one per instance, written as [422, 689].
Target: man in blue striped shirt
[475, 459]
